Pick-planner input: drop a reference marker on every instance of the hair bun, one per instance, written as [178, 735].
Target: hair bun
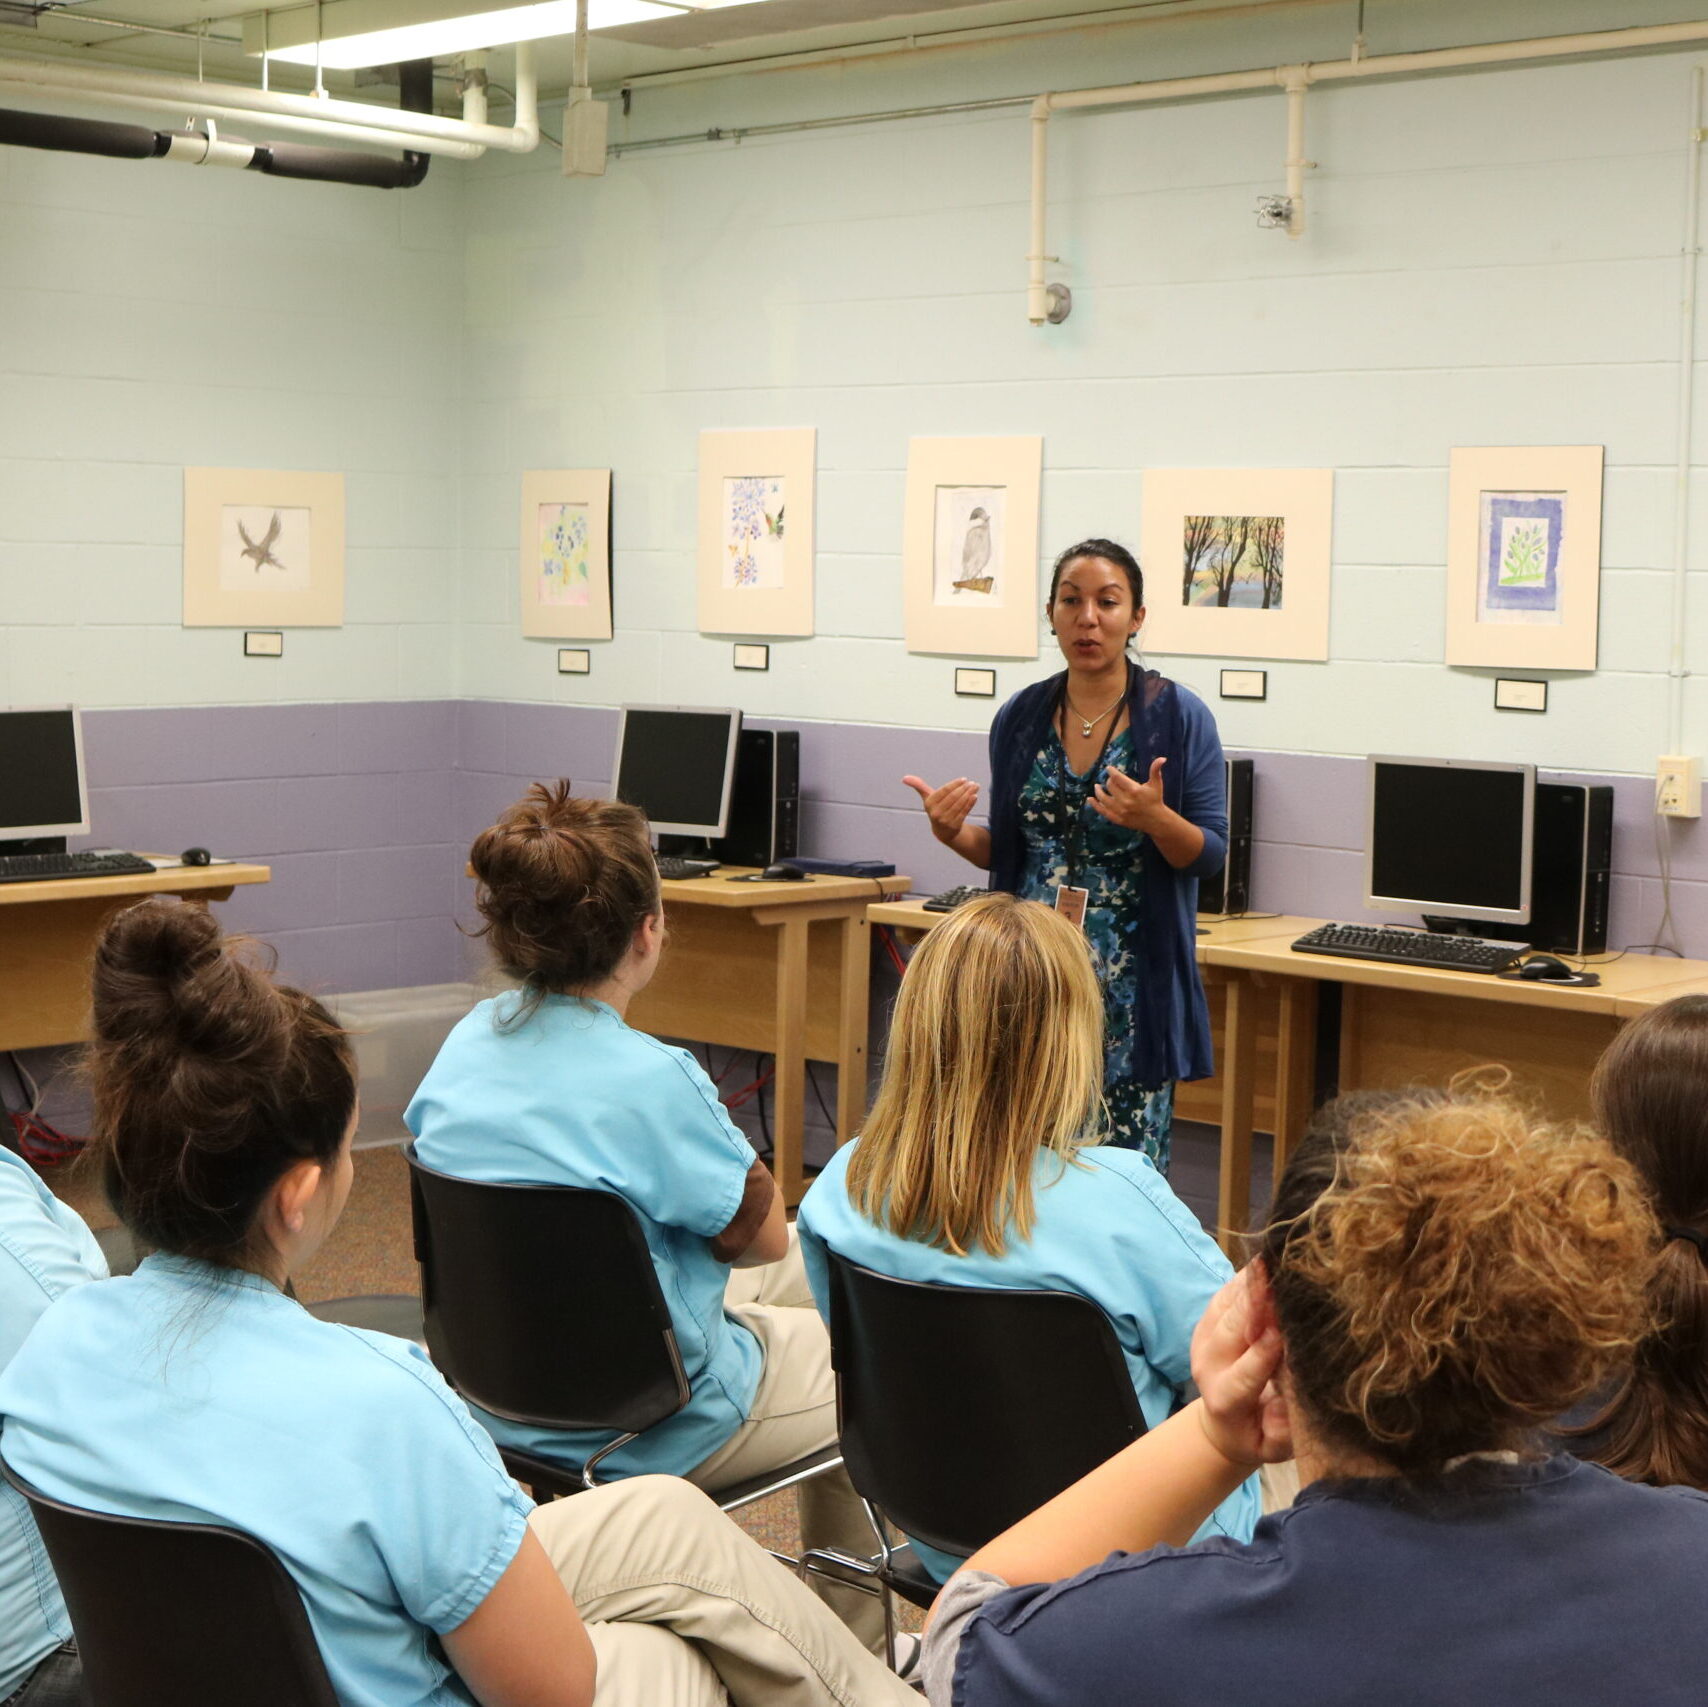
[166, 972]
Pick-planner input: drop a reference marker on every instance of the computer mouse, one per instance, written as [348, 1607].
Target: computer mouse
[1546, 966]
[782, 874]
[196, 856]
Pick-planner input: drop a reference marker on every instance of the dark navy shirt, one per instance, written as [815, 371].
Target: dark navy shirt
[1549, 1584]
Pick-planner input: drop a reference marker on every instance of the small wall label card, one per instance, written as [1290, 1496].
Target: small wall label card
[752, 657]
[566, 554]
[574, 661]
[1524, 556]
[755, 560]
[263, 643]
[1512, 693]
[263, 548]
[975, 684]
[1245, 684]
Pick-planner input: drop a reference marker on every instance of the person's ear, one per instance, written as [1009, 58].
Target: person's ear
[1138, 620]
[649, 934]
[295, 1190]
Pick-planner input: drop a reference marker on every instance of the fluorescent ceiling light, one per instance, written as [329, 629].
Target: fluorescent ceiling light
[440, 38]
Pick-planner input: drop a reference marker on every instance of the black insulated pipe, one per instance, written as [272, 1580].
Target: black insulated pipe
[346, 166]
[81, 136]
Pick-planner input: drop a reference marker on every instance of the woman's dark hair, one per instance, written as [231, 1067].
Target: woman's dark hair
[210, 1081]
[564, 886]
[1650, 1096]
[1110, 552]
[1450, 1274]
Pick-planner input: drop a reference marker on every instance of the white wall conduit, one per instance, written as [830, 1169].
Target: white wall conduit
[1047, 303]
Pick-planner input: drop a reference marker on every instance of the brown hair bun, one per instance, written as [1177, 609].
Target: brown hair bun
[210, 1080]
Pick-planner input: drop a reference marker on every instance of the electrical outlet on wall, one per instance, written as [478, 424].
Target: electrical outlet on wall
[1678, 786]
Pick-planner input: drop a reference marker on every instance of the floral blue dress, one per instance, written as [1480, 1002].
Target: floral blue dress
[1140, 1116]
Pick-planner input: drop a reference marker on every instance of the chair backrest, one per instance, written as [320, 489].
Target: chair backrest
[965, 1407]
[542, 1303]
[178, 1614]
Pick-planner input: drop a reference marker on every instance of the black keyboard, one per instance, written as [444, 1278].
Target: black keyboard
[950, 899]
[96, 862]
[674, 866]
[1411, 948]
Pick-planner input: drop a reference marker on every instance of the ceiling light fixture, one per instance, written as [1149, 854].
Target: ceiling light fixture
[359, 33]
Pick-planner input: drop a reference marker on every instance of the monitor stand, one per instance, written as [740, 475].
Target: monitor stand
[687, 847]
[33, 845]
[1449, 926]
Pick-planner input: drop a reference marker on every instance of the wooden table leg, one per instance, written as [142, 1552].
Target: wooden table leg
[1239, 1073]
[851, 1026]
[1295, 1062]
[789, 1120]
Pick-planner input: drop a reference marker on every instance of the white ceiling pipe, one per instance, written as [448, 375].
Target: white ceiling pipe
[1597, 43]
[195, 149]
[189, 93]
[268, 121]
[1295, 83]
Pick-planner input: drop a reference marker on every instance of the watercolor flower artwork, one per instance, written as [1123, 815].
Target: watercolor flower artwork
[1519, 538]
[565, 555]
[265, 546]
[754, 519]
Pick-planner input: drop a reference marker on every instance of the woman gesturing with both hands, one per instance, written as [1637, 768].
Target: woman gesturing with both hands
[1108, 802]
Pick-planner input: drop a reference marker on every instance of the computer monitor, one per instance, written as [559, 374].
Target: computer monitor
[1450, 837]
[41, 774]
[677, 764]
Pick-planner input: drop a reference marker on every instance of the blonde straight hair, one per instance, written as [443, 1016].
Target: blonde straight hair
[995, 1052]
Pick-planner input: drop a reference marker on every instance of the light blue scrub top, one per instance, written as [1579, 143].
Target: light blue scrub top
[1109, 1229]
[190, 1392]
[574, 1096]
[45, 1249]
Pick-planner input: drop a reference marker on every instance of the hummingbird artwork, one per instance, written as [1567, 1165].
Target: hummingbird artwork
[260, 552]
[975, 554]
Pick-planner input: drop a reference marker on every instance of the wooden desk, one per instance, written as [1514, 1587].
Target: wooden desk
[48, 932]
[1410, 1025]
[743, 968]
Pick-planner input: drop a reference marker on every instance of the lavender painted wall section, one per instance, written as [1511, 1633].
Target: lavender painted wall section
[365, 812]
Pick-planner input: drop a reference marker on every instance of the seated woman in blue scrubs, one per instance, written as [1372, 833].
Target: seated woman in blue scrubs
[547, 1084]
[979, 1165]
[45, 1250]
[197, 1389]
[1437, 1282]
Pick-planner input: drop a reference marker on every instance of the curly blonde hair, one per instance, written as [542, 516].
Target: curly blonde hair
[1450, 1274]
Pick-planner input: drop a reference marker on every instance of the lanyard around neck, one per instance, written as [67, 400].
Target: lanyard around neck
[1072, 809]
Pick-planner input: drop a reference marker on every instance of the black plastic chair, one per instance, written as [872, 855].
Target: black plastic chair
[963, 1408]
[178, 1614]
[542, 1306]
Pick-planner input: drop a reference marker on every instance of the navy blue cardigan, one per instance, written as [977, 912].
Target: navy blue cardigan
[1167, 721]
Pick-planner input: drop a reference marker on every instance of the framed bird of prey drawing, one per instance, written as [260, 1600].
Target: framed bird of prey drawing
[970, 547]
[756, 531]
[263, 549]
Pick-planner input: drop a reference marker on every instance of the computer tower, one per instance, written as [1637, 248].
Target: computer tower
[1570, 868]
[1229, 890]
[765, 801]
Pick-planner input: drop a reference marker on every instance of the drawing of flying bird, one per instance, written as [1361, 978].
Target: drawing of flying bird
[975, 553]
[775, 527]
[262, 551]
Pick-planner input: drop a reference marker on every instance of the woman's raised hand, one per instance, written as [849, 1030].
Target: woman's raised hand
[1236, 1361]
[947, 807]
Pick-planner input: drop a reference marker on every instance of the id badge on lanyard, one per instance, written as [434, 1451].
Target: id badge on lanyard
[1070, 903]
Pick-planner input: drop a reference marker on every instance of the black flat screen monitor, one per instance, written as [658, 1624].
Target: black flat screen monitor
[1452, 837]
[677, 763]
[41, 774]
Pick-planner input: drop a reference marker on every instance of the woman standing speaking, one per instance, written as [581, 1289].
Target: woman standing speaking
[1108, 802]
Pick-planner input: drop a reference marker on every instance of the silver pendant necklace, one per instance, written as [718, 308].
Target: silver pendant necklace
[1086, 726]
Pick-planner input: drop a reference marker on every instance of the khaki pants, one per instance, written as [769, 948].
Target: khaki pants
[686, 1610]
[794, 1413]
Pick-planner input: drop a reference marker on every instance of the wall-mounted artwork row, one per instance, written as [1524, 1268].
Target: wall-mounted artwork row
[263, 549]
[1524, 556]
[566, 554]
[1237, 561]
[970, 547]
[756, 532]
